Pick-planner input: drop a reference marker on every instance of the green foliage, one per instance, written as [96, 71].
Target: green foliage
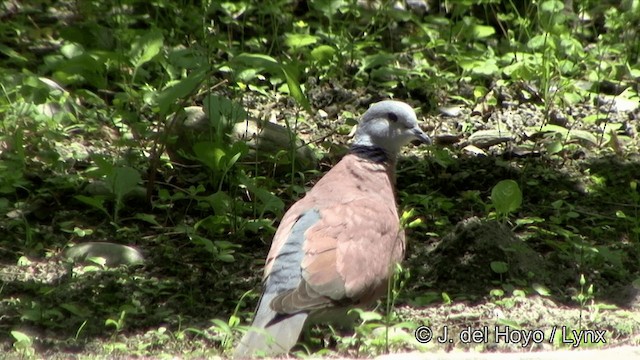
[119, 181]
[506, 197]
[85, 99]
[23, 344]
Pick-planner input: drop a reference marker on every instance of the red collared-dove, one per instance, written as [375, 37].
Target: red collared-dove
[336, 248]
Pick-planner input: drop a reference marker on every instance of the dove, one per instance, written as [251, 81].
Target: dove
[337, 247]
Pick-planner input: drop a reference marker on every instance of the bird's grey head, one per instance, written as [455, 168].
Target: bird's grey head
[389, 125]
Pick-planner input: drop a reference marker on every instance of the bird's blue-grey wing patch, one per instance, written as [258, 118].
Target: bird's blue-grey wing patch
[286, 272]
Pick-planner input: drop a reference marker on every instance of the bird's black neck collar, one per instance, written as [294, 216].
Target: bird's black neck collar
[370, 152]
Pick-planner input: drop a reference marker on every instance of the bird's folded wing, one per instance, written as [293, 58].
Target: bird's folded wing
[348, 256]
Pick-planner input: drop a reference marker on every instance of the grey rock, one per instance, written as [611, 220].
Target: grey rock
[486, 138]
[114, 254]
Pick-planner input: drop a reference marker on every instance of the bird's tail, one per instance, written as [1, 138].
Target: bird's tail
[271, 333]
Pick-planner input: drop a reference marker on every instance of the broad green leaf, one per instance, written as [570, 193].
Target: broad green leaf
[593, 118]
[373, 61]
[12, 54]
[146, 47]
[482, 31]
[209, 154]
[506, 197]
[95, 201]
[499, 267]
[367, 315]
[573, 134]
[226, 257]
[328, 7]
[257, 60]
[572, 98]
[123, 180]
[446, 298]
[21, 337]
[295, 41]
[71, 50]
[541, 289]
[220, 202]
[323, 53]
[79, 68]
[480, 67]
[169, 96]
[552, 6]
[269, 202]
[583, 135]
[275, 68]
[222, 114]
[207, 244]
[149, 218]
[554, 147]
[537, 42]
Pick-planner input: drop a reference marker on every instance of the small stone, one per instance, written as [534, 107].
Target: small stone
[451, 111]
[113, 254]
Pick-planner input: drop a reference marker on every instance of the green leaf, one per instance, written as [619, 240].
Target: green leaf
[295, 41]
[499, 267]
[21, 337]
[573, 134]
[328, 7]
[12, 54]
[146, 47]
[256, 60]
[269, 202]
[593, 118]
[209, 154]
[204, 242]
[149, 218]
[123, 180]
[377, 60]
[483, 67]
[94, 201]
[220, 202]
[367, 315]
[82, 68]
[275, 68]
[226, 257]
[446, 299]
[482, 31]
[506, 197]
[167, 98]
[223, 113]
[584, 136]
[537, 42]
[541, 289]
[71, 50]
[294, 87]
[323, 53]
[554, 147]
[552, 6]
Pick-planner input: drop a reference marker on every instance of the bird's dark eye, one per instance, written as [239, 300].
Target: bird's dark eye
[392, 116]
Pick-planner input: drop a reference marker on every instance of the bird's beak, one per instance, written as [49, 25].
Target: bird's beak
[421, 136]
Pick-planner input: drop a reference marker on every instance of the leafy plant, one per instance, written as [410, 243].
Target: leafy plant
[506, 197]
[119, 181]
